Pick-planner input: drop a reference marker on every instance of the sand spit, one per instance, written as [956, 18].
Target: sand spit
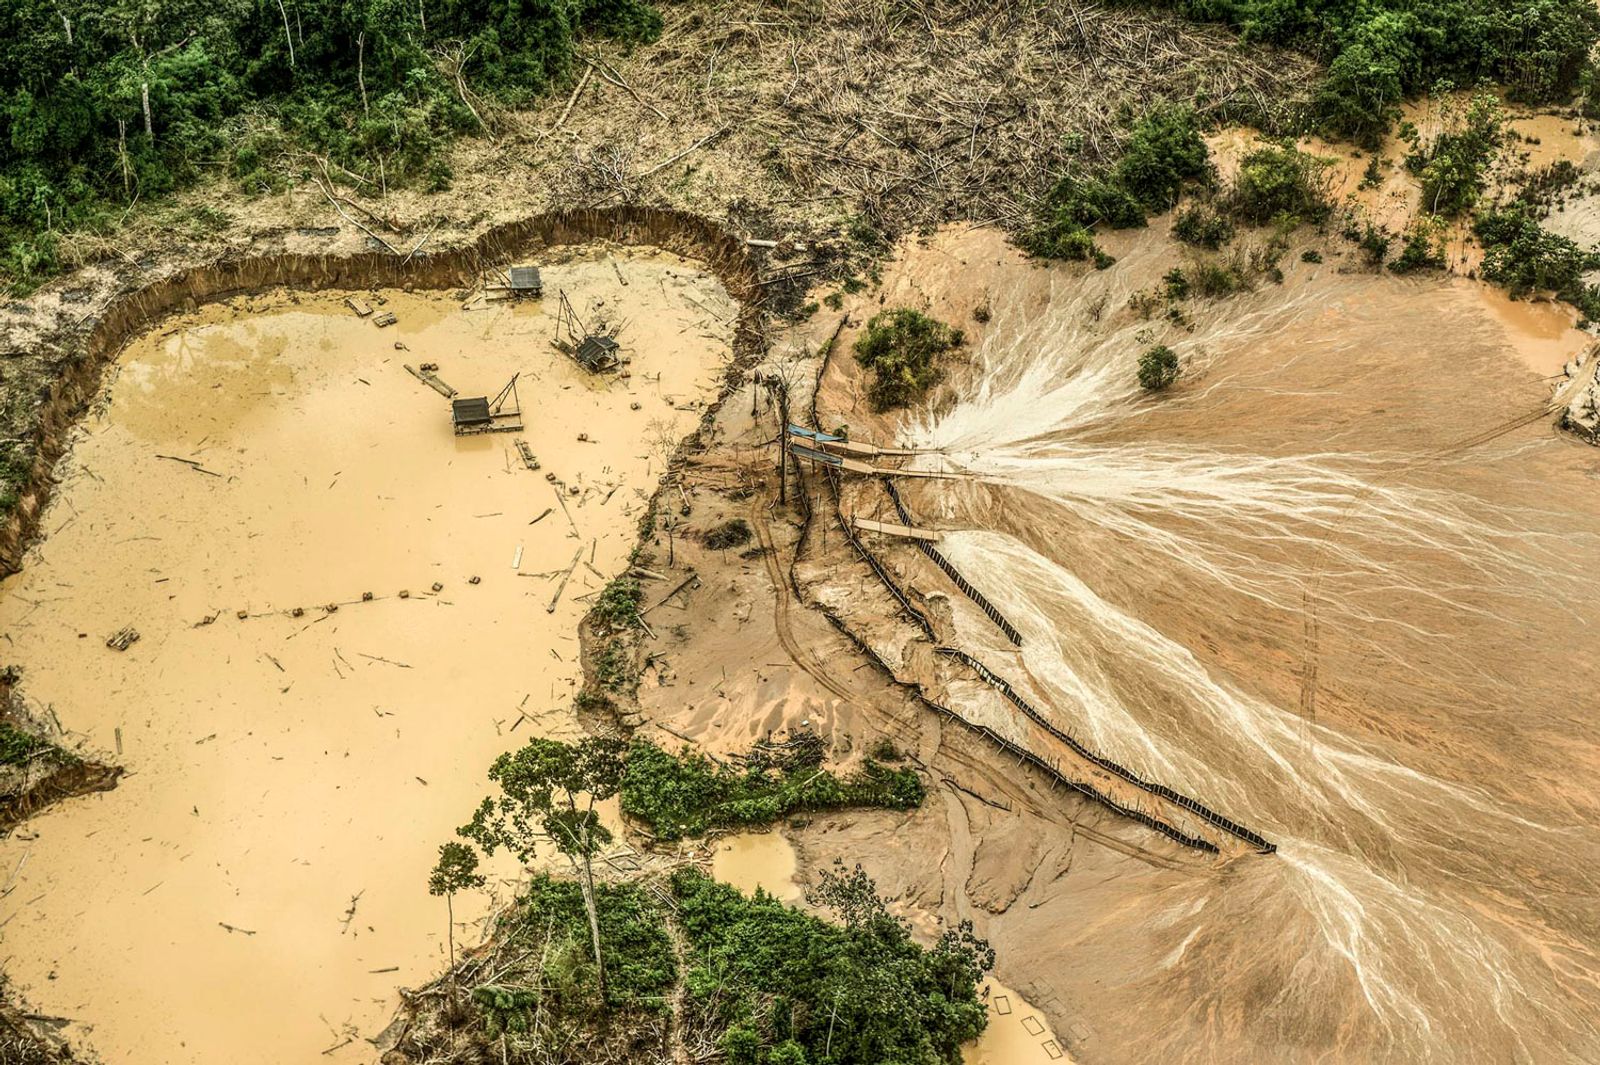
[290, 773]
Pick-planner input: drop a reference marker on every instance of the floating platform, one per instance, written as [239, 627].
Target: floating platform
[906, 532]
[522, 283]
[477, 414]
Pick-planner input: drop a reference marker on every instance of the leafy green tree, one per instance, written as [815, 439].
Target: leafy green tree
[787, 984]
[457, 870]
[1452, 167]
[900, 348]
[1158, 368]
[548, 792]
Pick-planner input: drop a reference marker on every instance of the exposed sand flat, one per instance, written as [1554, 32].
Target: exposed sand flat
[1333, 584]
[283, 769]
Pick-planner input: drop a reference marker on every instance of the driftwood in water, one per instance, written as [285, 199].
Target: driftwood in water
[554, 599]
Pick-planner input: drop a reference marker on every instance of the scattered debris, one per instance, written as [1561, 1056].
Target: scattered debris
[361, 307]
[429, 378]
[350, 914]
[192, 464]
[527, 454]
[387, 318]
[123, 638]
[551, 609]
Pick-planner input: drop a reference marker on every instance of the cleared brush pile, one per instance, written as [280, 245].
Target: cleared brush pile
[906, 115]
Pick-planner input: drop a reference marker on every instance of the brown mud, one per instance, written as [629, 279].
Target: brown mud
[323, 393]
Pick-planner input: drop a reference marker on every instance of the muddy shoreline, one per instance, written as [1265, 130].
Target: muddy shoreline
[81, 357]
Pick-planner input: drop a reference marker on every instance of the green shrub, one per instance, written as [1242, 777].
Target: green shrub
[1177, 283]
[1164, 153]
[1214, 278]
[735, 532]
[640, 965]
[1373, 242]
[1203, 227]
[1521, 255]
[688, 794]
[900, 348]
[1422, 250]
[618, 604]
[613, 667]
[1158, 368]
[1282, 185]
[796, 988]
[16, 746]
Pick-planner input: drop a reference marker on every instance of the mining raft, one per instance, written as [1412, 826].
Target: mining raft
[517, 283]
[480, 414]
[596, 349]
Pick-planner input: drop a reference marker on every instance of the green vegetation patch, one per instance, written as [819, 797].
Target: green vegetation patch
[618, 604]
[1520, 254]
[1282, 185]
[18, 747]
[1381, 51]
[1452, 167]
[1158, 368]
[103, 105]
[786, 987]
[550, 916]
[901, 347]
[687, 794]
[1164, 153]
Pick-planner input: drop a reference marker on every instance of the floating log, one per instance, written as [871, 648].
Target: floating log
[554, 599]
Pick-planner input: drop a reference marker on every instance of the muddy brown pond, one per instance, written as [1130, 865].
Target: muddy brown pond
[255, 889]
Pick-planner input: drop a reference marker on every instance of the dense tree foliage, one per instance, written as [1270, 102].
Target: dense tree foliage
[1380, 51]
[1453, 165]
[761, 981]
[105, 103]
[687, 794]
[786, 987]
[1526, 258]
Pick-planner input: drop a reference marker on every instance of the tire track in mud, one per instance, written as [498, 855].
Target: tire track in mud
[782, 599]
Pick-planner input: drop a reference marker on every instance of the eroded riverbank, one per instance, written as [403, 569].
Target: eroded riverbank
[290, 775]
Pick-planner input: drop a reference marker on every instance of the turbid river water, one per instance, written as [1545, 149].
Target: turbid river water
[255, 888]
[1310, 587]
